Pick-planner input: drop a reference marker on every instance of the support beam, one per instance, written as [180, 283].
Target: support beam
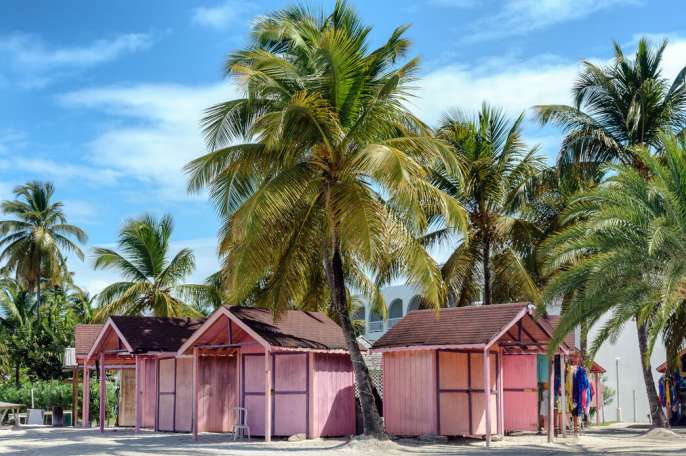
[196, 391]
[267, 396]
[551, 399]
[74, 396]
[137, 394]
[499, 386]
[487, 395]
[103, 393]
[86, 403]
[563, 396]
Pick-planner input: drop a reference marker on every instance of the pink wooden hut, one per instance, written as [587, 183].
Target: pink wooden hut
[458, 373]
[145, 347]
[293, 374]
[84, 338]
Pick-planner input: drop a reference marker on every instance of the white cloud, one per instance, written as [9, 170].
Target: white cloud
[517, 17]
[453, 3]
[218, 16]
[11, 139]
[158, 134]
[31, 51]
[78, 211]
[31, 62]
[58, 171]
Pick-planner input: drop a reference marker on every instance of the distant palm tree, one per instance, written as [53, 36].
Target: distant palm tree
[626, 256]
[616, 107]
[17, 320]
[153, 283]
[319, 172]
[35, 241]
[497, 167]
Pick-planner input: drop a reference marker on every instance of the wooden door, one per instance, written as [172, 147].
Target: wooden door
[166, 395]
[217, 397]
[183, 413]
[127, 398]
[252, 379]
[520, 392]
[290, 394]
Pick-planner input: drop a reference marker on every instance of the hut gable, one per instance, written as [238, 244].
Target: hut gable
[84, 337]
[155, 334]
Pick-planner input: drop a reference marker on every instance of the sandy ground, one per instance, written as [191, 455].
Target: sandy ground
[73, 442]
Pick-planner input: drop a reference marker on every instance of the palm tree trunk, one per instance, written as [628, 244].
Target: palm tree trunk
[583, 339]
[658, 417]
[371, 420]
[486, 242]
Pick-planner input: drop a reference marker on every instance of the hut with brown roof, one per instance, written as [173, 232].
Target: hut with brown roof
[459, 372]
[291, 374]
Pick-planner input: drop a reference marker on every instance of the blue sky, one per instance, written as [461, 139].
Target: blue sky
[104, 98]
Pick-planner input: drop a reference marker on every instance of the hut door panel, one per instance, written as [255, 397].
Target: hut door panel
[290, 396]
[520, 393]
[127, 398]
[217, 398]
[183, 415]
[148, 392]
[453, 393]
[253, 391]
[167, 395]
[478, 402]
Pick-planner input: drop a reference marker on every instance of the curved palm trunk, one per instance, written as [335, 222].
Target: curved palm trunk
[656, 413]
[371, 420]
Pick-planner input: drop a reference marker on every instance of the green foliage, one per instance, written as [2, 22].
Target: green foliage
[152, 282]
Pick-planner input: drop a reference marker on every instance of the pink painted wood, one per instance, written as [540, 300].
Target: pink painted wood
[478, 402]
[217, 397]
[167, 395]
[148, 392]
[137, 391]
[520, 384]
[332, 396]
[410, 392]
[254, 388]
[183, 420]
[103, 393]
[290, 393]
[267, 396]
[86, 403]
[454, 409]
[487, 394]
[196, 391]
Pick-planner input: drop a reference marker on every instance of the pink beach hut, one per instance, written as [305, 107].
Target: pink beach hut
[466, 371]
[292, 374]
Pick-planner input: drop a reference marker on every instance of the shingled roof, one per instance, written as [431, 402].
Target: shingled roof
[84, 337]
[293, 328]
[458, 326]
[155, 334]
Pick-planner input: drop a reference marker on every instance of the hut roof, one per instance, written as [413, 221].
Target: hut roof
[155, 334]
[84, 337]
[466, 326]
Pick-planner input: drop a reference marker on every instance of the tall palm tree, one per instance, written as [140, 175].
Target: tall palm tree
[617, 107]
[152, 283]
[17, 321]
[626, 257]
[35, 240]
[319, 172]
[497, 167]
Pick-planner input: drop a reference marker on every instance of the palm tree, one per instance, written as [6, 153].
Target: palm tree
[34, 242]
[152, 282]
[626, 254]
[17, 321]
[319, 172]
[497, 167]
[617, 107]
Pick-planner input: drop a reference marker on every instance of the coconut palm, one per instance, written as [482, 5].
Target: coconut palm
[17, 320]
[319, 172]
[618, 106]
[625, 255]
[153, 283]
[34, 242]
[498, 166]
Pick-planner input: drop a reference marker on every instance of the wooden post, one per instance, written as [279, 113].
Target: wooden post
[487, 395]
[551, 399]
[267, 396]
[499, 386]
[563, 396]
[103, 392]
[196, 391]
[137, 394]
[74, 395]
[86, 405]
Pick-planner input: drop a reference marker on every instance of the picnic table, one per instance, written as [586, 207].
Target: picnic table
[6, 407]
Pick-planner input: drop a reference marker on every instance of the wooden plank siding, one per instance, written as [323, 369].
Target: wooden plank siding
[127, 398]
[333, 396]
[520, 385]
[218, 394]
